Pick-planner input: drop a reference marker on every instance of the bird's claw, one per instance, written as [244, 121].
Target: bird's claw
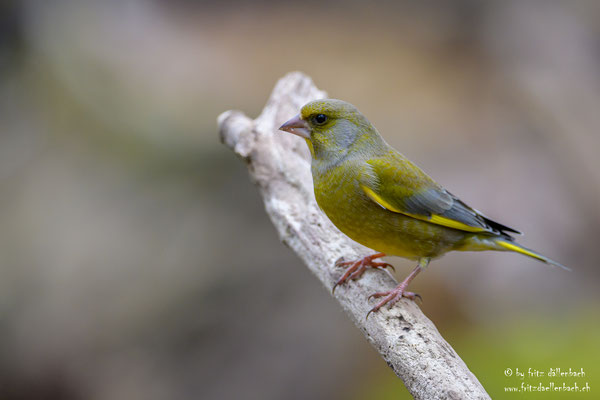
[341, 262]
[352, 273]
[383, 265]
[358, 267]
[392, 297]
[408, 295]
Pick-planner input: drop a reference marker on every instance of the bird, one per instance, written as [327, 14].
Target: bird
[380, 199]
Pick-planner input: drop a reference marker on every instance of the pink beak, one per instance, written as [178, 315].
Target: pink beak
[297, 126]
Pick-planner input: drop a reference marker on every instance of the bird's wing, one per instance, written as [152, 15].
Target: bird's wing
[399, 186]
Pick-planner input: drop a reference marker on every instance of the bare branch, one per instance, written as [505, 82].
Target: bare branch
[279, 164]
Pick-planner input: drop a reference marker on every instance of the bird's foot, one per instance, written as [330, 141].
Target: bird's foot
[391, 297]
[358, 267]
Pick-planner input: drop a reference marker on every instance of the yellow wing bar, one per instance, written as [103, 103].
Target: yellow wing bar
[434, 219]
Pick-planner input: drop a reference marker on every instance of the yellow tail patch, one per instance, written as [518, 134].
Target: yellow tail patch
[519, 249]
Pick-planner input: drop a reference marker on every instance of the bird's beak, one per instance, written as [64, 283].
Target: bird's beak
[297, 126]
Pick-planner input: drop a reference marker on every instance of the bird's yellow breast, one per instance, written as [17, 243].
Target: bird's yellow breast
[339, 194]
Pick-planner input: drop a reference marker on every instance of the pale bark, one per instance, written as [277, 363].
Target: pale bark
[279, 164]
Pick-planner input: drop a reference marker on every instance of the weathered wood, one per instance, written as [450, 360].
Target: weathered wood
[279, 165]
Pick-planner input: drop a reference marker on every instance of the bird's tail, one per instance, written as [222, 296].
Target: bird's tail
[509, 245]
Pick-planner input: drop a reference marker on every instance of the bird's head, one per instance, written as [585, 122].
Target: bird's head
[331, 128]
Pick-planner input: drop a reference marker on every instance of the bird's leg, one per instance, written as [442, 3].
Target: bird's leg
[358, 267]
[394, 295]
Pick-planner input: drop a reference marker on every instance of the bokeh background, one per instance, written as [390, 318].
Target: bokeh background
[136, 261]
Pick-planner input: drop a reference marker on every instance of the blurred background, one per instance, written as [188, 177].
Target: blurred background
[136, 260]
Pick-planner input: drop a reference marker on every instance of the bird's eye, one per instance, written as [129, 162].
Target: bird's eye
[320, 119]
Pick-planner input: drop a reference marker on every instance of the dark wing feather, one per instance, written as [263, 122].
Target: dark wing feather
[400, 186]
[460, 211]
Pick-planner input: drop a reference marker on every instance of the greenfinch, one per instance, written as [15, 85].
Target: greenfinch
[377, 197]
